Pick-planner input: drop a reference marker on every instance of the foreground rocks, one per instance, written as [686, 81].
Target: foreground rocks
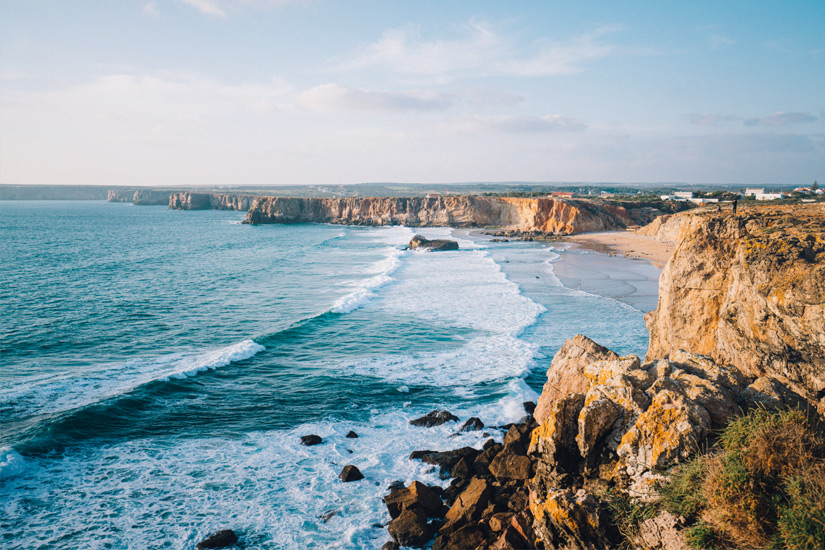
[485, 505]
[627, 424]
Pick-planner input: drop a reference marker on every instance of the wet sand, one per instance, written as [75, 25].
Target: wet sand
[628, 244]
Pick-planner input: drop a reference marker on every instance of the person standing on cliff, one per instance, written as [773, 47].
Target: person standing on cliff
[735, 202]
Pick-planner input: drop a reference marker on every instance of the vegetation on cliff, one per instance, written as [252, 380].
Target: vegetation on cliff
[763, 486]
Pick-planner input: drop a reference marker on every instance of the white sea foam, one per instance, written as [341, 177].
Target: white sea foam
[77, 389]
[222, 357]
[11, 463]
[266, 486]
[384, 269]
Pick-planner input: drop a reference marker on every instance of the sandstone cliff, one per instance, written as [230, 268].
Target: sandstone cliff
[138, 196]
[748, 291]
[209, 201]
[544, 215]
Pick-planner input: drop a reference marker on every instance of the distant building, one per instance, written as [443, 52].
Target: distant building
[753, 192]
[703, 201]
[803, 190]
[562, 194]
[686, 195]
[433, 194]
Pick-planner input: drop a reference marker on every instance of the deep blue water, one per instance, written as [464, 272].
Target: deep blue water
[158, 367]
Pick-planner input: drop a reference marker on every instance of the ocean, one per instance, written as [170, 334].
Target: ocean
[158, 367]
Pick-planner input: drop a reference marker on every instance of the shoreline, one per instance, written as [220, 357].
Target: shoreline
[627, 244]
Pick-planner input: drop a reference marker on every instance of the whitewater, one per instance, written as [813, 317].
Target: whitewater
[159, 368]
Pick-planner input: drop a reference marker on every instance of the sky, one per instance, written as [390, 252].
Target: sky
[321, 92]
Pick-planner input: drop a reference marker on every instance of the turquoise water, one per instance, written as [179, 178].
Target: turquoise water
[158, 367]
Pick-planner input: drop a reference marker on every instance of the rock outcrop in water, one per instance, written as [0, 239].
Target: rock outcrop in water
[545, 215]
[187, 200]
[433, 245]
[749, 291]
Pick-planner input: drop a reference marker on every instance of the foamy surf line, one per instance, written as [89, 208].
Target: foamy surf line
[366, 292]
[68, 392]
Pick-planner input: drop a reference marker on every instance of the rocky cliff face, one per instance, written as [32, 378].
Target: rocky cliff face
[745, 295]
[748, 291]
[138, 196]
[209, 201]
[522, 214]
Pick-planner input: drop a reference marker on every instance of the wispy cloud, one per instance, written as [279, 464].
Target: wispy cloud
[333, 97]
[479, 50]
[221, 8]
[516, 124]
[209, 7]
[711, 119]
[151, 8]
[781, 119]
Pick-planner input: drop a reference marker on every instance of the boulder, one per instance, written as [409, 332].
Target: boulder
[416, 495]
[310, 440]
[468, 536]
[508, 465]
[470, 503]
[221, 539]
[434, 418]
[351, 435]
[390, 545]
[472, 425]
[350, 473]
[434, 245]
[445, 460]
[571, 520]
[410, 528]
[566, 372]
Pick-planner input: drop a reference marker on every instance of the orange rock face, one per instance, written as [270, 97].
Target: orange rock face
[545, 215]
[749, 291]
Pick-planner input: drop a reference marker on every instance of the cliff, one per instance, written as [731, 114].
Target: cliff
[209, 201]
[748, 291]
[740, 326]
[138, 196]
[544, 215]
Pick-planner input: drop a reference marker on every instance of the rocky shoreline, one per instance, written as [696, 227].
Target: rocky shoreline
[586, 469]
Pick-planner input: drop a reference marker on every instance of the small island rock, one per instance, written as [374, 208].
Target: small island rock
[350, 473]
[435, 245]
[222, 539]
[310, 440]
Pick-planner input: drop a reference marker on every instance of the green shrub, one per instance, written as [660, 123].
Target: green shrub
[763, 487]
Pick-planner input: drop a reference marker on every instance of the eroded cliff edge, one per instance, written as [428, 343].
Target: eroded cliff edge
[737, 341]
[748, 291]
[545, 215]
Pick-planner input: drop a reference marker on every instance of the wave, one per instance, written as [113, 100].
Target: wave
[366, 292]
[11, 463]
[68, 391]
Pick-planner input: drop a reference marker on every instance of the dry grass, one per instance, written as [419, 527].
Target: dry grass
[764, 488]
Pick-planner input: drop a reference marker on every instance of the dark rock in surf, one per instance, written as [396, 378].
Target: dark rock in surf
[435, 245]
[221, 539]
[390, 545]
[530, 407]
[350, 473]
[435, 418]
[473, 424]
[310, 440]
[352, 435]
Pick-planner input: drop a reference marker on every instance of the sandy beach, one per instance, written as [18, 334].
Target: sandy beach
[628, 244]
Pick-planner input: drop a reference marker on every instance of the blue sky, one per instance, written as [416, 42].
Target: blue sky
[266, 92]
